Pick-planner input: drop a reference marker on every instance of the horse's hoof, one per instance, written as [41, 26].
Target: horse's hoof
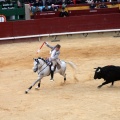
[26, 92]
[37, 88]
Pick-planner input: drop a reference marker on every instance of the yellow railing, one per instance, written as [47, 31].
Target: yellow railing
[87, 7]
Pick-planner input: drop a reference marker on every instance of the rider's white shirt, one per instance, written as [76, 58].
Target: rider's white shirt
[53, 53]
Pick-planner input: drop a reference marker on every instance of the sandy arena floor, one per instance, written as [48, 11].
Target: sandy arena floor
[75, 100]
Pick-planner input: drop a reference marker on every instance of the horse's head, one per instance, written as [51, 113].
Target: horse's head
[37, 64]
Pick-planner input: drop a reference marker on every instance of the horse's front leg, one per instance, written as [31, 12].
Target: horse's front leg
[39, 79]
[38, 86]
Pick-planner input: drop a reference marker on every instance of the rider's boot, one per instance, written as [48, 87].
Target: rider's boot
[52, 74]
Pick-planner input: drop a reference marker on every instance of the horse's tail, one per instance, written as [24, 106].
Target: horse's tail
[74, 68]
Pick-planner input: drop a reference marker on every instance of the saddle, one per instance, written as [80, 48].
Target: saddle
[58, 66]
[49, 63]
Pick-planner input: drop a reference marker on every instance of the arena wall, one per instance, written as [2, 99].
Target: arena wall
[47, 26]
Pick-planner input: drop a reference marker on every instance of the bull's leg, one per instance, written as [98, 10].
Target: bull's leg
[32, 85]
[106, 82]
[112, 83]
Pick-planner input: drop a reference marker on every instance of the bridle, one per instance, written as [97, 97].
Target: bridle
[41, 65]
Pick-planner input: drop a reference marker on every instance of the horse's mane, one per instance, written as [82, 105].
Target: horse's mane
[42, 59]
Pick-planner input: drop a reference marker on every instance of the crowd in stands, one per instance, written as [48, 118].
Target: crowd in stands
[39, 5]
[54, 5]
[49, 2]
[55, 2]
[100, 5]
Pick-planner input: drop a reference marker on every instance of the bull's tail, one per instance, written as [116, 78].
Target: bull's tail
[74, 68]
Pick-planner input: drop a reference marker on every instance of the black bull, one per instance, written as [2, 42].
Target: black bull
[108, 73]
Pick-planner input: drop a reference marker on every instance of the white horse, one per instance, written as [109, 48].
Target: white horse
[43, 70]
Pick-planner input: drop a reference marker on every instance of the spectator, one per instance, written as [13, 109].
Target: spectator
[97, 1]
[63, 7]
[58, 2]
[41, 3]
[44, 2]
[53, 1]
[53, 8]
[36, 5]
[49, 2]
[19, 4]
[45, 8]
[103, 0]
[102, 5]
[92, 5]
[64, 4]
[63, 13]
[70, 2]
[89, 1]
[64, 1]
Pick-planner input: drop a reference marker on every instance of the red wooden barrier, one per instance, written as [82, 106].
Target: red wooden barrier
[50, 14]
[6, 29]
[94, 11]
[60, 25]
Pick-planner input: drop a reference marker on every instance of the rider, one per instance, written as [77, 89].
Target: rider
[55, 51]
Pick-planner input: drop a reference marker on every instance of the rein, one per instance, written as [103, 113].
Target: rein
[42, 66]
[42, 69]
